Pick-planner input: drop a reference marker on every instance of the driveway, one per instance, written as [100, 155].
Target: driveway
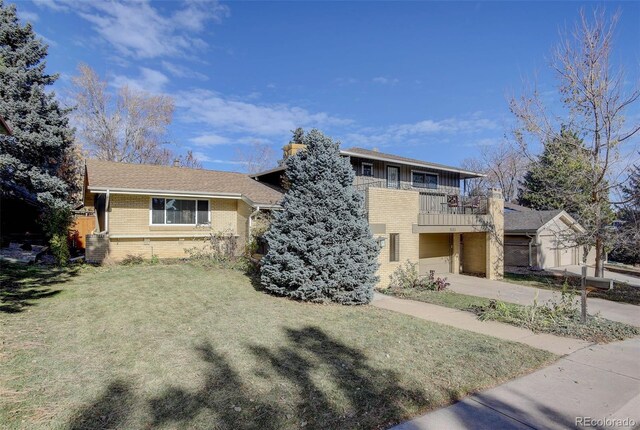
[512, 293]
[588, 383]
[619, 277]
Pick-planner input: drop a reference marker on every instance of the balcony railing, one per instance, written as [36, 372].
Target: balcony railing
[432, 201]
[454, 204]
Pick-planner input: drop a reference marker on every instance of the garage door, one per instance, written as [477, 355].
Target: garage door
[565, 256]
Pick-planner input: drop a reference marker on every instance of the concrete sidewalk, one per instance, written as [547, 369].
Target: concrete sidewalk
[513, 293]
[469, 321]
[601, 382]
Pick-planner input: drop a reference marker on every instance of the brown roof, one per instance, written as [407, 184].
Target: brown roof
[102, 175]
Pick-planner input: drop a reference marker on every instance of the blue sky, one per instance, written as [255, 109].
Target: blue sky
[428, 80]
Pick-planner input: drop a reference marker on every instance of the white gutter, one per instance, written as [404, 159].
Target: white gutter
[170, 193]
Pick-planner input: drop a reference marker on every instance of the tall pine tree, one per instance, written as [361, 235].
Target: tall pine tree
[320, 245]
[33, 161]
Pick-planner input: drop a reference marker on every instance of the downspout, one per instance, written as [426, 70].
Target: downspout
[106, 213]
[256, 212]
[531, 239]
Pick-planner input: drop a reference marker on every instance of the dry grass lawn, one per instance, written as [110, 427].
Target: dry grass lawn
[182, 346]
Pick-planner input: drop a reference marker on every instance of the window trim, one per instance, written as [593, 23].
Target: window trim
[164, 224]
[425, 173]
[393, 258]
[362, 169]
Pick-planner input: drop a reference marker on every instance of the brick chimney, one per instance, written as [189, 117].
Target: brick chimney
[295, 145]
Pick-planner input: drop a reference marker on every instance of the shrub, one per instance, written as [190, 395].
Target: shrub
[55, 220]
[59, 248]
[407, 275]
[132, 260]
[220, 249]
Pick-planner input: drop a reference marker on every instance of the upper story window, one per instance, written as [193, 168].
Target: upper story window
[167, 211]
[424, 180]
[367, 169]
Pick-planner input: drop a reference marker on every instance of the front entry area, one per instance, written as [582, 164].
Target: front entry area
[453, 253]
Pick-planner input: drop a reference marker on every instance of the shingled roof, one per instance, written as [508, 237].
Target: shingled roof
[527, 221]
[103, 175]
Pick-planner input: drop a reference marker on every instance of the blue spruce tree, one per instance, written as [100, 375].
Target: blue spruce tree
[320, 245]
[34, 162]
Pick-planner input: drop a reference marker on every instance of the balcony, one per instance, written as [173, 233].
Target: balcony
[436, 210]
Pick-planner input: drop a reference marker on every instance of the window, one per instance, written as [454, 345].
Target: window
[367, 169]
[394, 247]
[424, 180]
[179, 212]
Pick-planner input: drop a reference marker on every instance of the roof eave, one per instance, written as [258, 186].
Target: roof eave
[468, 174]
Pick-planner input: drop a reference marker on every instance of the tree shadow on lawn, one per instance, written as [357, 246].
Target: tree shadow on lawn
[109, 411]
[322, 383]
[21, 284]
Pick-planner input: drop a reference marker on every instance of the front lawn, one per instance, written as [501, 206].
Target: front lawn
[182, 346]
[619, 293]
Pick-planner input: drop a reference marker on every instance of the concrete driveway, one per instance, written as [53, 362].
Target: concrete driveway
[512, 293]
[619, 277]
[599, 382]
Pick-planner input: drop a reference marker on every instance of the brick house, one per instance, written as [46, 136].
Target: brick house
[417, 210]
[161, 210]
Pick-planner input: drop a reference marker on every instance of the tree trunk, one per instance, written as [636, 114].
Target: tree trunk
[599, 271]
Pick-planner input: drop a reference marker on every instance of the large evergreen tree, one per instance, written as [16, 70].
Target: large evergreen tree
[31, 163]
[558, 177]
[320, 245]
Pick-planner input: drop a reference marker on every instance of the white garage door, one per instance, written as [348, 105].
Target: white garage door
[565, 256]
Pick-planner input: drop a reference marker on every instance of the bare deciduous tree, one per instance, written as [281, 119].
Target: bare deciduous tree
[504, 166]
[256, 157]
[129, 126]
[594, 103]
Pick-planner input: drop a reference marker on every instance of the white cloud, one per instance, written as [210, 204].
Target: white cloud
[385, 81]
[149, 80]
[205, 140]
[204, 158]
[180, 71]
[27, 16]
[57, 6]
[417, 132]
[232, 115]
[138, 29]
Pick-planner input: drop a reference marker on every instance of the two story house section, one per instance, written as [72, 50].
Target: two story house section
[419, 211]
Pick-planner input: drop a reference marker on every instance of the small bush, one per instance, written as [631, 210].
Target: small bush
[154, 259]
[132, 260]
[408, 276]
[220, 249]
[59, 249]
